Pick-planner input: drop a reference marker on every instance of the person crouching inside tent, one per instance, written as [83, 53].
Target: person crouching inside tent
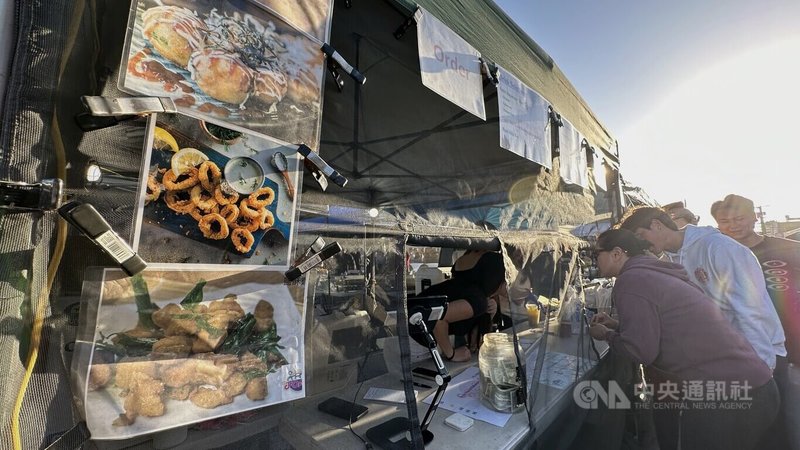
[478, 278]
[712, 391]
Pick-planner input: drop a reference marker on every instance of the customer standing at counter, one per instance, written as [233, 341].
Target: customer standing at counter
[668, 324]
[478, 277]
[724, 269]
[780, 263]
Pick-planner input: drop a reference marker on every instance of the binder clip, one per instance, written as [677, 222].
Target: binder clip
[90, 223]
[312, 261]
[26, 197]
[336, 62]
[107, 111]
[489, 71]
[321, 166]
[315, 247]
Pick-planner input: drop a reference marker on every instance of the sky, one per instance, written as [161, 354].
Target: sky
[703, 96]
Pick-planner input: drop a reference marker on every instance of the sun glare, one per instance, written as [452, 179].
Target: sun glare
[729, 128]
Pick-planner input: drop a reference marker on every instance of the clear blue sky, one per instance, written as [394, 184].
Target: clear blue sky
[688, 88]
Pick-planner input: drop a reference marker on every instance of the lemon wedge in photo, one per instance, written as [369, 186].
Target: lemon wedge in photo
[186, 158]
[162, 140]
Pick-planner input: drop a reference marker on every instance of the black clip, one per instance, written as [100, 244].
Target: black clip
[336, 61]
[318, 176]
[315, 247]
[401, 30]
[333, 69]
[91, 224]
[312, 157]
[555, 117]
[313, 261]
[489, 71]
[25, 197]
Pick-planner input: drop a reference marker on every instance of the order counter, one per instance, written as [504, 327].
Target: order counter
[304, 426]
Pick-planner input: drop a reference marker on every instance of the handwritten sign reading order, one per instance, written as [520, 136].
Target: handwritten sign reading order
[448, 65]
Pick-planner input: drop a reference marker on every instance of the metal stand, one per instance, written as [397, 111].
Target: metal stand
[395, 434]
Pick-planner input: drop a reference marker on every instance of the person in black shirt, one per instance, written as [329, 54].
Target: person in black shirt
[478, 277]
[780, 262]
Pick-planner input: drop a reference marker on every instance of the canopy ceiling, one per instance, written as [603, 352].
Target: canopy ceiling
[405, 148]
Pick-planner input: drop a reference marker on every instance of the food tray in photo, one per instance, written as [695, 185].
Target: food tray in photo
[184, 224]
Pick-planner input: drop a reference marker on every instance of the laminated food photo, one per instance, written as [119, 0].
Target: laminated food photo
[232, 62]
[175, 347]
[231, 192]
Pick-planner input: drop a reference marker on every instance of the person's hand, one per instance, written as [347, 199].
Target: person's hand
[491, 307]
[605, 320]
[598, 331]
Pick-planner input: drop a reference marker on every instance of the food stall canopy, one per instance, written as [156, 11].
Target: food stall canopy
[423, 161]
[493, 33]
[636, 196]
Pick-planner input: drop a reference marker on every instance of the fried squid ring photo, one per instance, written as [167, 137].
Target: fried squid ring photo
[179, 201]
[246, 209]
[242, 240]
[202, 199]
[249, 224]
[214, 226]
[261, 198]
[267, 220]
[230, 213]
[198, 213]
[224, 197]
[209, 175]
[153, 189]
[180, 182]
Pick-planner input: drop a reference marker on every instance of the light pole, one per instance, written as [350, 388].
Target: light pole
[761, 217]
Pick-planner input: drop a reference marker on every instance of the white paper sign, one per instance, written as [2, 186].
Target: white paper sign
[573, 157]
[449, 65]
[599, 170]
[524, 122]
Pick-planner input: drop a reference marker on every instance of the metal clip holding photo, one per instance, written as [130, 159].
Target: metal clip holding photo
[320, 164]
[312, 261]
[88, 221]
[336, 61]
[25, 197]
[104, 112]
[312, 249]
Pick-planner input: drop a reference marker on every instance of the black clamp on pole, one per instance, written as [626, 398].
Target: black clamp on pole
[336, 62]
[313, 158]
[401, 30]
[17, 196]
[489, 71]
[312, 261]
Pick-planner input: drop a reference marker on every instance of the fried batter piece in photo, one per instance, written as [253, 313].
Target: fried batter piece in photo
[144, 398]
[174, 32]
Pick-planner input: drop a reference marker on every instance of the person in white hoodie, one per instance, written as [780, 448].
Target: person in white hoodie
[727, 271]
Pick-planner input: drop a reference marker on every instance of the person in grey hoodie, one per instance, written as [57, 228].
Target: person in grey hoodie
[727, 271]
[668, 324]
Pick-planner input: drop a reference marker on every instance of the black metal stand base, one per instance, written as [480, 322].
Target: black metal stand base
[395, 434]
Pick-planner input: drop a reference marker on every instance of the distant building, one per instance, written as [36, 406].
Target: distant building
[790, 229]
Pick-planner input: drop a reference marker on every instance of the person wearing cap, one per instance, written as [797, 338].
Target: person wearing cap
[668, 324]
[780, 264]
[680, 214]
[726, 271]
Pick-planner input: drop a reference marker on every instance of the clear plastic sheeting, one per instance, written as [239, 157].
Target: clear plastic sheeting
[426, 181]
